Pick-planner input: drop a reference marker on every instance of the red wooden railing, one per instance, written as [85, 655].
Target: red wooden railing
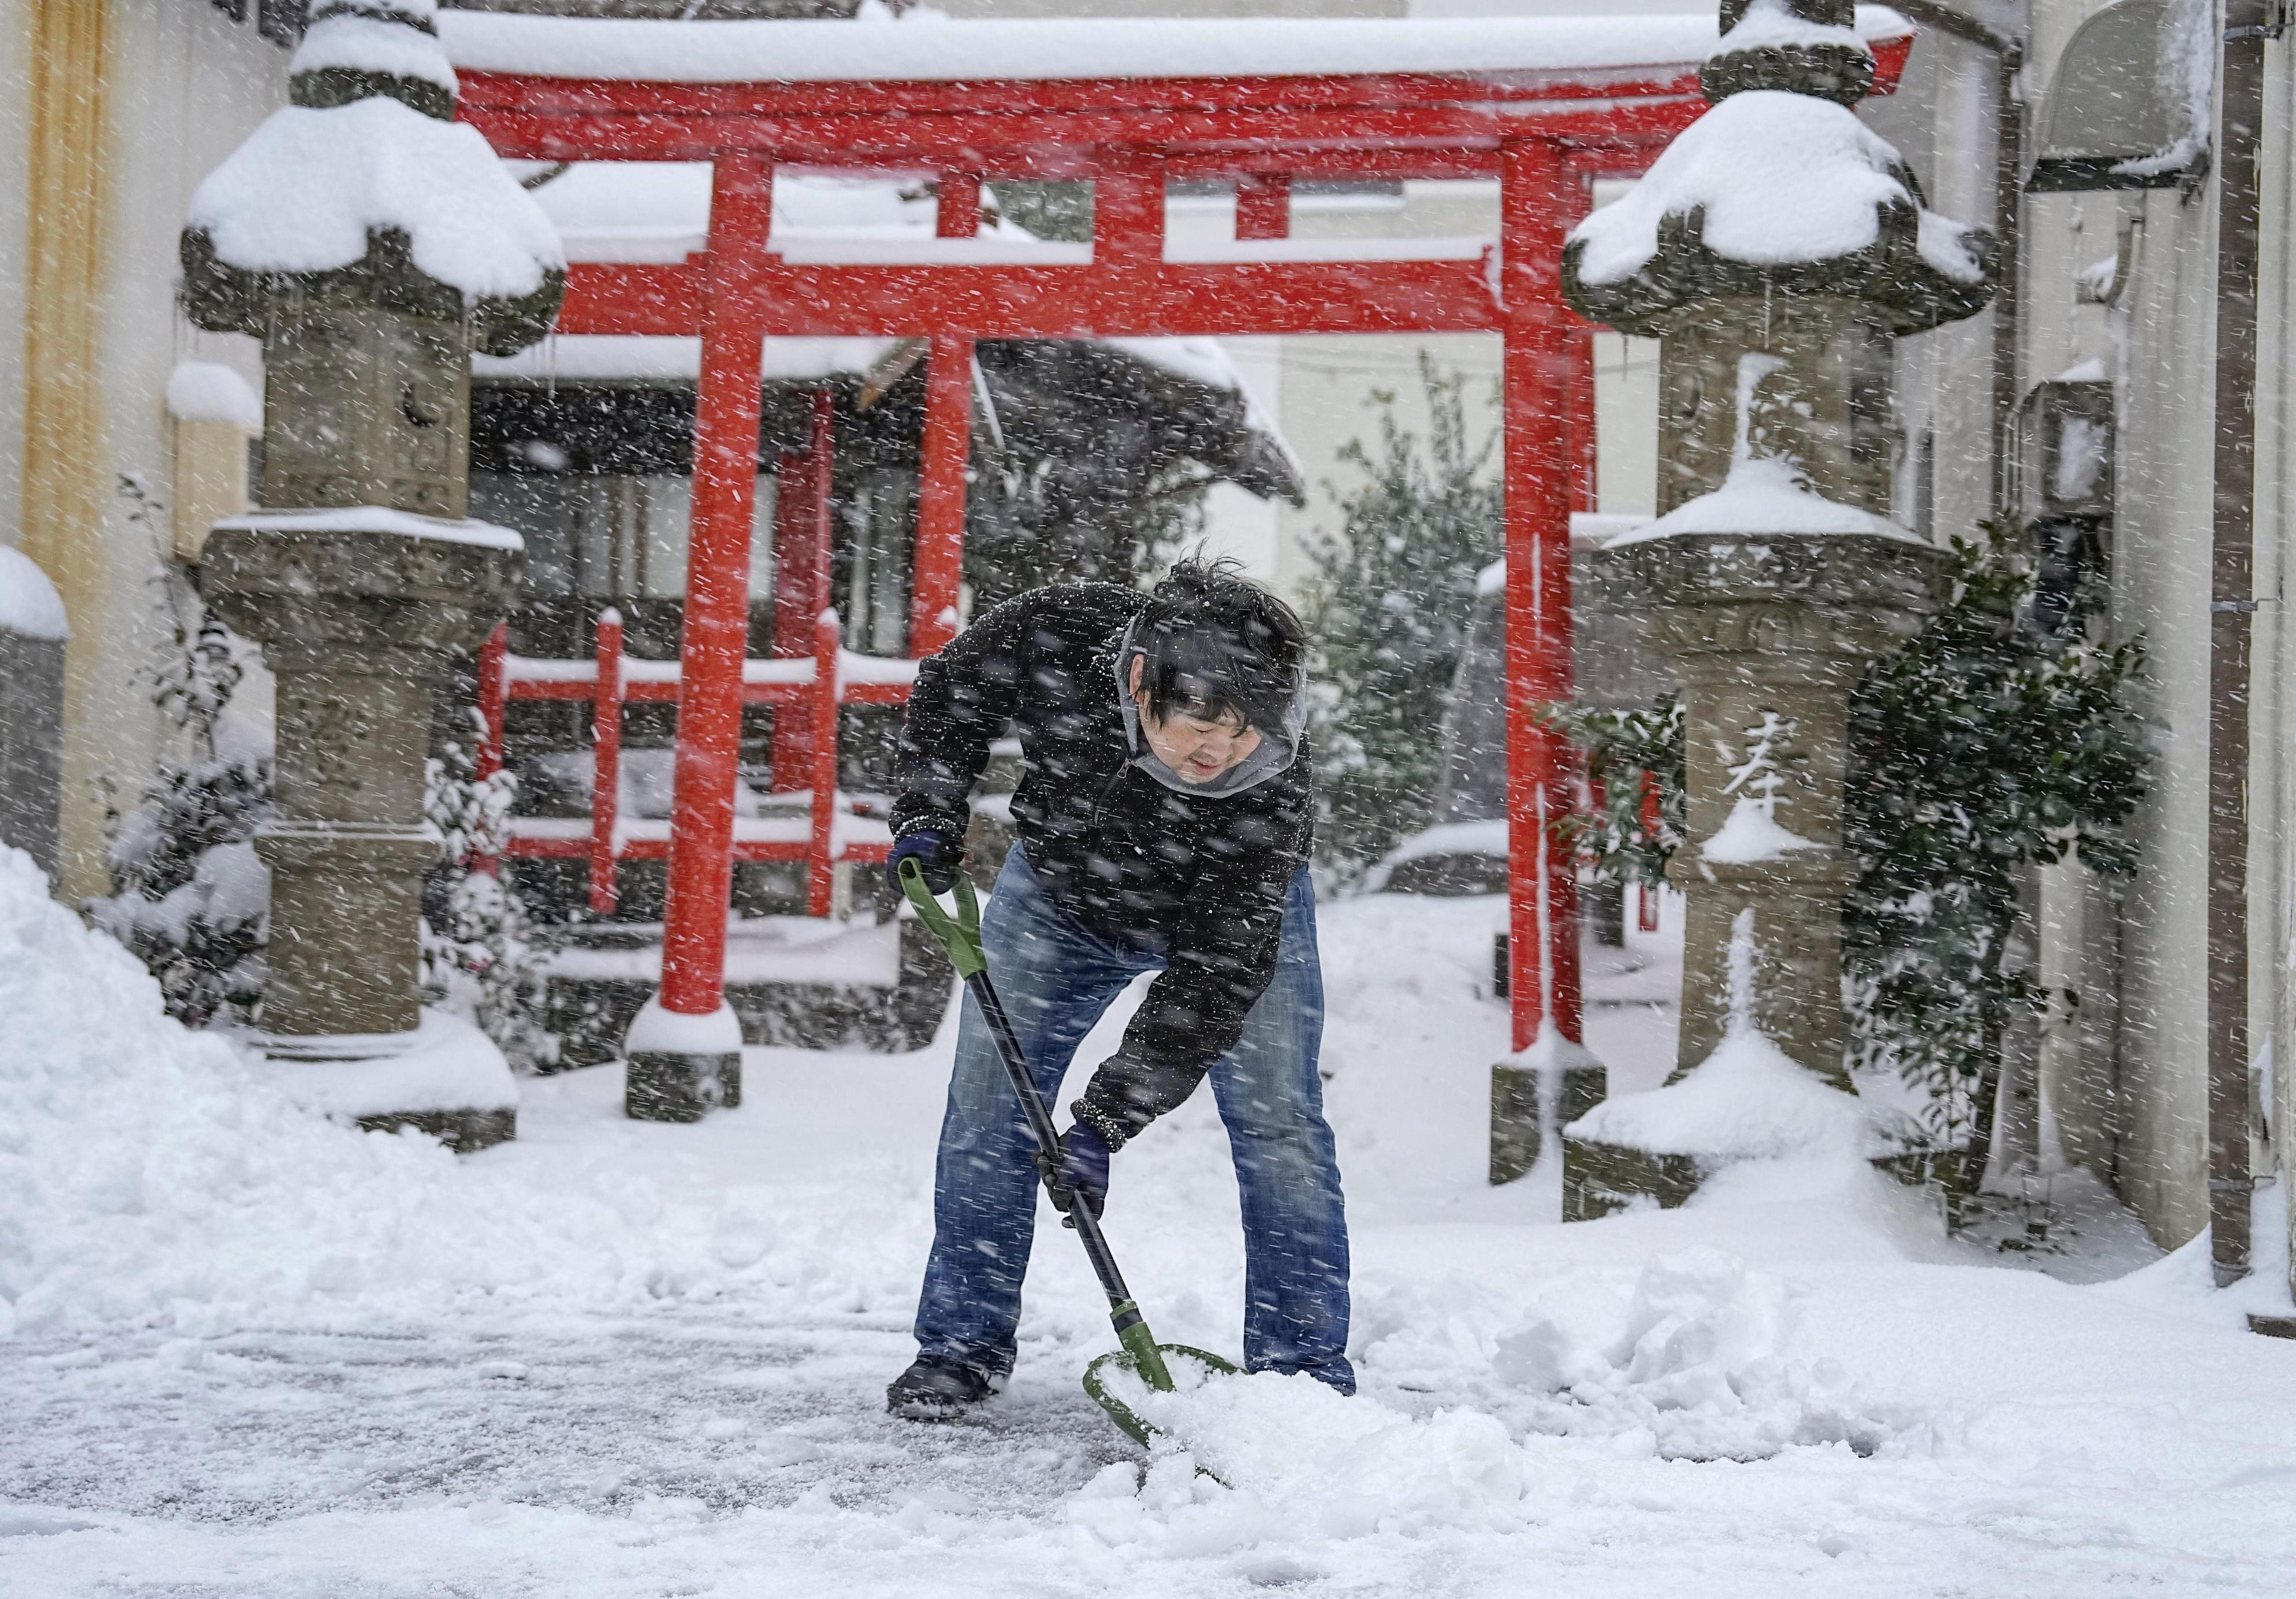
[815, 687]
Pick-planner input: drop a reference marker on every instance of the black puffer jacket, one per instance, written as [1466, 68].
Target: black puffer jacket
[1199, 879]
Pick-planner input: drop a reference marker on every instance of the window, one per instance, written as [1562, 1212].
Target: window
[2130, 105]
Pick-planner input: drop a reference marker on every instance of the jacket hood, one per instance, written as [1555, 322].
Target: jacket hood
[1278, 749]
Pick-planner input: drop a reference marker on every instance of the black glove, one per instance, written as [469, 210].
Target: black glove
[1082, 1168]
[937, 855]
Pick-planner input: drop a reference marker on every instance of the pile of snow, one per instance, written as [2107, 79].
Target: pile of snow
[309, 185]
[1713, 1363]
[1774, 178]
[1707, 1360]
[30, 605]
[151, 1174]
[1763, 494]
[210, 391]
[1747, 1100]
[446, 1064]
[1298, 1458]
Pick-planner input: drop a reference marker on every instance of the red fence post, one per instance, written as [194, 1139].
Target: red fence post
[1127, 210]
[716, 632]
[606, 763]
[1535, 203]
[938, 566]
[801, 551]
[1584, 488]
[820, 878]
[957, 211]
[493, 699]
[1263, 205]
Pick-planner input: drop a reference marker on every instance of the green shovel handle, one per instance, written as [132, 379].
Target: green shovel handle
[960, 934]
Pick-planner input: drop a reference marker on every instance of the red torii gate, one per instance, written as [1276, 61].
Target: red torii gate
[1542, 107]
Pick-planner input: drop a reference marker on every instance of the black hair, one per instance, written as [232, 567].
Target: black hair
[1212, 643]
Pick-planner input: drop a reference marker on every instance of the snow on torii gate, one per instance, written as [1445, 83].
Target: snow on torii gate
[1542, 105]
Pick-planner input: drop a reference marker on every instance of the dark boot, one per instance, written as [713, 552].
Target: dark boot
[936, 1391]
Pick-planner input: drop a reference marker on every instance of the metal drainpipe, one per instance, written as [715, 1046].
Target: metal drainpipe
[2008, 53]
[2231, 608]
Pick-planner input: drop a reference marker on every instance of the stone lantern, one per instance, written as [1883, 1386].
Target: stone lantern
[1776, 249]
[372, 244]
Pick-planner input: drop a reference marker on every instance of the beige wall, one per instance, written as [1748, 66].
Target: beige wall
[15, 135]
[174, 86]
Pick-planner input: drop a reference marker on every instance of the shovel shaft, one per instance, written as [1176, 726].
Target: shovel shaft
[960, 935]
[1122, 1309]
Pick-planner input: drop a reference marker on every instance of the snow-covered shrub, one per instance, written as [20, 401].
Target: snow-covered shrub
[1633, 757]
[1387, 612]
[1986, 748]
[189, 897]
[482, 958]
[1989, 745]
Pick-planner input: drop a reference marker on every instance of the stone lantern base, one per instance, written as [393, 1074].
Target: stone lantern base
[444, 1080]
[361, 614]
[1769, 634]
[1602, 1179]
[1534, 1094]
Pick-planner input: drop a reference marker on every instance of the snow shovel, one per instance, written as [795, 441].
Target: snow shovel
[1142, 1356]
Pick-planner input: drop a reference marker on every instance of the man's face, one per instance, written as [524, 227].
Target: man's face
[1198, 750]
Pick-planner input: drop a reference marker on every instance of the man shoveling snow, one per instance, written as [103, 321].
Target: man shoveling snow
[1165, 820]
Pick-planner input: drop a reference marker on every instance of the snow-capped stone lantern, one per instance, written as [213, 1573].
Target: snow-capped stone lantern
[1776, 249]
[372, 244]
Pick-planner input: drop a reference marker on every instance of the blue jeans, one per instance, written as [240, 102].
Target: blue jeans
[1055, 979]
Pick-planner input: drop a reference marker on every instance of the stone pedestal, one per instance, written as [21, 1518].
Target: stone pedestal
[1534, 1095]
[1769, 635]
[361, 615]
[681, 1068]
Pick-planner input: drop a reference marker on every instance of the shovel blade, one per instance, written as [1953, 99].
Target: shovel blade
[1117, 1373]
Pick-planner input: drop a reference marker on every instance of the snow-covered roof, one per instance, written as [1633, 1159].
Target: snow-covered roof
[628, 357]
[309, 187]
[1778, 178]
[932, 48]
[625, 357]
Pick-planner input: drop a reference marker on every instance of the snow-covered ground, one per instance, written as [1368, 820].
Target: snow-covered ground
[254, 1355]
